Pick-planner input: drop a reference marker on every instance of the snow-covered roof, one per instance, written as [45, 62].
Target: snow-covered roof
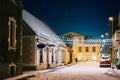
[73, 34]
[39, 27]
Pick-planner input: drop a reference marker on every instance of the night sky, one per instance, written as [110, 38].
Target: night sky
[86, 17]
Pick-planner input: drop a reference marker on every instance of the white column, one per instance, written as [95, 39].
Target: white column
[38, 57]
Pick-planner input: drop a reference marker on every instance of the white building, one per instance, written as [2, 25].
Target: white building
[36, 32]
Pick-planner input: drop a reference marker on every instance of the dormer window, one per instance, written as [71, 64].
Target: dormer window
[12, 34]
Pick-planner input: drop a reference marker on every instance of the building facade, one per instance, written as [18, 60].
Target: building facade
[37, 34]
[87, 52]
[79, 50]
[115, 55]
[10, 38]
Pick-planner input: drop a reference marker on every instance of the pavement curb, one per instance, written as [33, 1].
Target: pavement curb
[33, 73]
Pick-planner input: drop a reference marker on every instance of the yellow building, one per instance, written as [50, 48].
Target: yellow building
[86, 52]
[116, 47]
[81, 51]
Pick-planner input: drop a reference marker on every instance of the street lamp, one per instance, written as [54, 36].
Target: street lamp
[111, 19]
[106, 35]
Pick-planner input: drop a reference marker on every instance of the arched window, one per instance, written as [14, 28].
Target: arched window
[12, 34]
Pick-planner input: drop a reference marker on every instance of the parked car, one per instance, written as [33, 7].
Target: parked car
[105, 61]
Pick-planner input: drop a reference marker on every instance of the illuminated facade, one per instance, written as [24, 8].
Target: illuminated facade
[81, 51]
[86, 52]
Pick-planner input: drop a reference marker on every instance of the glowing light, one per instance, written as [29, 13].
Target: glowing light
[111, 18]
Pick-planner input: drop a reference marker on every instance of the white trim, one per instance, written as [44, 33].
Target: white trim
[14, 41]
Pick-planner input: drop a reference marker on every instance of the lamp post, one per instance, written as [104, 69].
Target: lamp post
[106, 43]
[111, 19]
[111, 24]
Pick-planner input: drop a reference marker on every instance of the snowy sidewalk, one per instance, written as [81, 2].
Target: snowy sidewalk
[29, 74]
[32, 73]
[113, 72]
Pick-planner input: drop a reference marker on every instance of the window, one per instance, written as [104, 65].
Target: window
[87, 49]
[93, 49]
[12, 34]
[41, 55]
[80, 49]
[52, 55]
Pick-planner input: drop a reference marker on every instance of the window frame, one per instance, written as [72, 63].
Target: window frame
[93, 49]
[12, 34]
[80, 49]
[86, 49]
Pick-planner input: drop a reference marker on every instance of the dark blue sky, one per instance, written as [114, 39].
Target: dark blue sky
[86, 17]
